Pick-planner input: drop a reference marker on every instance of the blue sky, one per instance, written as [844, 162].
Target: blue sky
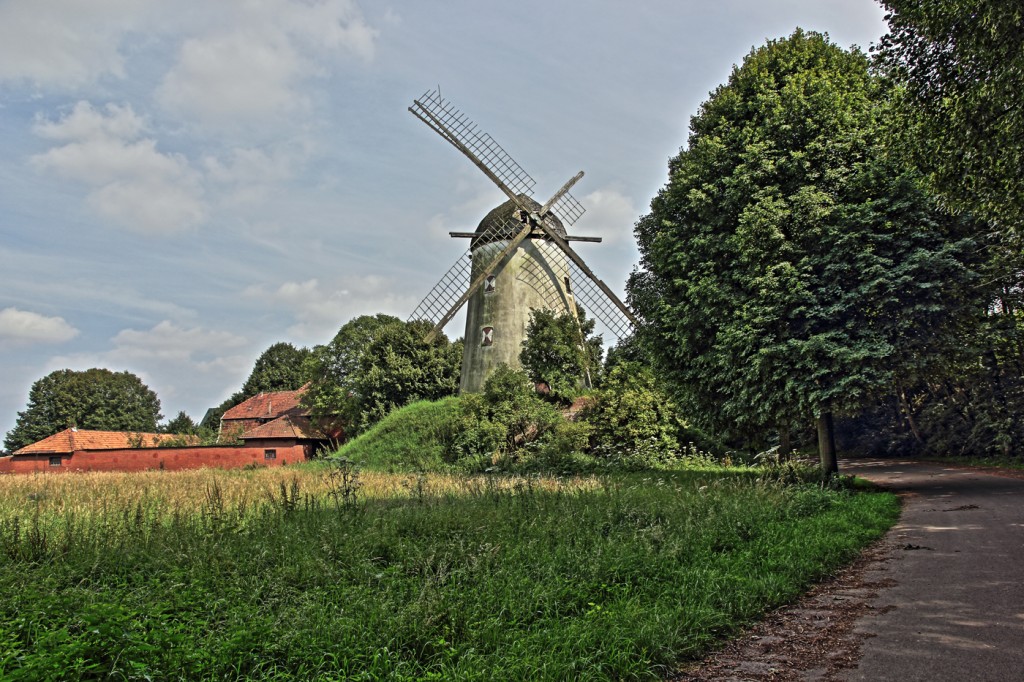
[184, 183]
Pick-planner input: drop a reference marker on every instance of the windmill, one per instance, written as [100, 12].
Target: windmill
[520, 257]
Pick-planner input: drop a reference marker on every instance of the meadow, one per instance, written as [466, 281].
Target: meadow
[324, 572]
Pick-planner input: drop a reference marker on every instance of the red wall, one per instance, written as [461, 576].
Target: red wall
[141, 459]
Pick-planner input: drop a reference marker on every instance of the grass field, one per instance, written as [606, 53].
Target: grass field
[304, 573]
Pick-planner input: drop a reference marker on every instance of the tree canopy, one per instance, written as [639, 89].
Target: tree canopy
[376, 363]
[791, 269]
[182, 424]
[960, 68]
[279, 368]
[91, 399]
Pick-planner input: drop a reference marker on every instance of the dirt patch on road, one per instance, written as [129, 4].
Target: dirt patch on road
[812, 639]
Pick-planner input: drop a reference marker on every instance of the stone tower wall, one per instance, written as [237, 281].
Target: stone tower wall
[532, 277]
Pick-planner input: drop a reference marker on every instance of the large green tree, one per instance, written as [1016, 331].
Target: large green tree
[92, 399]
[790, 268]
[960, 68]
[958, 71]
[375, 364]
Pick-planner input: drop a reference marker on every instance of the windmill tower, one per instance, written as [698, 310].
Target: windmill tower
[519, 255]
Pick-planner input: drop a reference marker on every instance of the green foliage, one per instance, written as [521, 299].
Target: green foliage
[505, 426]
[969, 407]
[91, 399]
[629, 349]
[791, 266]
[561, 351]
[182, 424]
[620, 579]
[960, 68]
[279, 368]
[426, 436]
[375, 364]
[512, 401]
[634, 422]
[959, 71]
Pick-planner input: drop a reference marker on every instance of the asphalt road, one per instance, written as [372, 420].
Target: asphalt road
[955, 608]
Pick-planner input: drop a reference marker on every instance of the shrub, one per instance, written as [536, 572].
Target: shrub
[632, 420]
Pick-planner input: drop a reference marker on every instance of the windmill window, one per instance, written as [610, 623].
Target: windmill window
[270, 454]
[488, 336]
[489, 285]
[55, 461]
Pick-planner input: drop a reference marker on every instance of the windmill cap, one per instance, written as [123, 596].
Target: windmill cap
[502, 226]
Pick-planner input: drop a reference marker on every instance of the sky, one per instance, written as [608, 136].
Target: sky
[184, 183]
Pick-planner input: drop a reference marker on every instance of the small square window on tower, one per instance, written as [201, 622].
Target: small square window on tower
[270, 454]
[489, 284]
[488, 336]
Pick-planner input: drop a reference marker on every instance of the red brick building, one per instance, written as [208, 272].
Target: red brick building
[261, 409]
[273, 428]
[80, 450]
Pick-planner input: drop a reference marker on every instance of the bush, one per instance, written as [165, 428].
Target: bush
[634, 422]
[507, 426]
[629, 423]
[562, 351]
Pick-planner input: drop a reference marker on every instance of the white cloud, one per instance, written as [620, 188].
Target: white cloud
[23, 326]
[252, 70]
[64, 43]
[170, 343]
[185, 366]
[250, 176]
[610, 215]
[466, 215]
[132, 183]
[85, 122]
[68, 44]
[319, 309]
[331, 25]
[242, 74]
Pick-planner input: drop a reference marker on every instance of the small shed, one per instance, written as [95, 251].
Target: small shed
[260, 409]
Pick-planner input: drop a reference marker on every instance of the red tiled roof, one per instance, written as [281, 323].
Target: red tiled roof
[70, 440]
[288, 426]
[267, 406]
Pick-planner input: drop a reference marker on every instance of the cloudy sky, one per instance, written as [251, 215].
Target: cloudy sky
[184, 183]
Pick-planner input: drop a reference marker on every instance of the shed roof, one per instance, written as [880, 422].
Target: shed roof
[268, 406]
[288, 426]
[70, 440]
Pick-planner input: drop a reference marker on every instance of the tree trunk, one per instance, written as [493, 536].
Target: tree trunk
[785, 444]
[827, 445]
[909, 415]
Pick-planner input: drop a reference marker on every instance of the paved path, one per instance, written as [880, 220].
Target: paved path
[955, 610]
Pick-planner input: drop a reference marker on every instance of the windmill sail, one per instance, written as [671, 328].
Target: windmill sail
[438, 306]
[489, 156]
[598, 306]
[524, 245]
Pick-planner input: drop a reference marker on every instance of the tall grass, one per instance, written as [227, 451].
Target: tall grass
[277, 574]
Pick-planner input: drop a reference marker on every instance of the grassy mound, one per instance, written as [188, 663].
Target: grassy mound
[421, 436]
